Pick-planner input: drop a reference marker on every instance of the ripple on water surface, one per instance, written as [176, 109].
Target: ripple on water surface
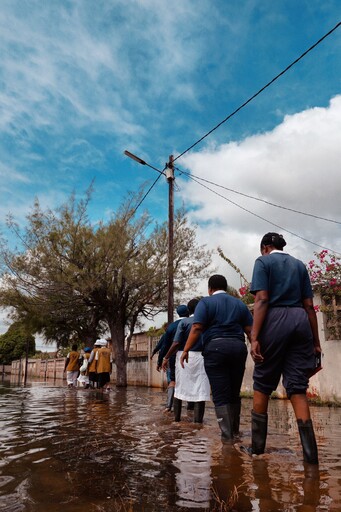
[72, 450]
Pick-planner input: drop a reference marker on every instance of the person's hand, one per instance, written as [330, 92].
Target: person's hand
[184, 358]
[158, 368]
[165, 364]
[255, 352]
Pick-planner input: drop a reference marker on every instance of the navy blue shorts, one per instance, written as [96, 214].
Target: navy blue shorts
[286, 343]
[103, 378]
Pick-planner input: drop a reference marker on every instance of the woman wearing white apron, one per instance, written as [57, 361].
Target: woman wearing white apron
[191, 383]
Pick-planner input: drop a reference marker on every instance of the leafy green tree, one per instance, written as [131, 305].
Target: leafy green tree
[14, 343]
[75, 279]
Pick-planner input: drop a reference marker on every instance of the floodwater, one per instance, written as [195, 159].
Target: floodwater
[70, 450]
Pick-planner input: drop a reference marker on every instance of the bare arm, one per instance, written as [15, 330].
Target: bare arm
[174, 347]
[247, 330]
[259, 314]
[66, 363]
[309, 307]
[194, 335]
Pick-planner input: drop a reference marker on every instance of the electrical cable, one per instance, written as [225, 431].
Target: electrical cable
[197, 180]
[259, 92]
[266, 220]
[148, 191]
[258, 199]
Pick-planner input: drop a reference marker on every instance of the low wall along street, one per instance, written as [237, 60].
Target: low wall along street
[141, 370]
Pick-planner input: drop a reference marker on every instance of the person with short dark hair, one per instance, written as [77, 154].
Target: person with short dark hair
[284, 339]
[223, 321]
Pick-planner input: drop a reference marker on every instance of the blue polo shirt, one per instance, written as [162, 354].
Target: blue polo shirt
[284, 277]
[222, 316]
[182, 333]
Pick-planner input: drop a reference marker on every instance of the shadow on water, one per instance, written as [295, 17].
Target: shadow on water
[74, 450]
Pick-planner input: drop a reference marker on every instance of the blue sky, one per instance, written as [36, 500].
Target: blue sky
[83, 80]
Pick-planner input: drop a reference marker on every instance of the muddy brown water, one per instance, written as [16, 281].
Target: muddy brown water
[65, 450]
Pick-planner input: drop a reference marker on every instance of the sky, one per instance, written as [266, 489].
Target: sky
[83, 80]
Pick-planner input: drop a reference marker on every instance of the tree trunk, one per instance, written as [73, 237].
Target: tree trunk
[117, 337]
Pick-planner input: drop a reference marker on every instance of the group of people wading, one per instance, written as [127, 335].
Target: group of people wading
[205, 351]
[92, 369]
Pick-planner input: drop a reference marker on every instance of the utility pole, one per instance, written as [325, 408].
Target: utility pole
[170, 265]
[170, 271]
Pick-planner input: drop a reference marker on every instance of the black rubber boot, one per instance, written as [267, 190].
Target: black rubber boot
[177, 406]
[235, 414]
[199, 411]
[259, 427]
[223, 413]
[170, 396]
[308, 441]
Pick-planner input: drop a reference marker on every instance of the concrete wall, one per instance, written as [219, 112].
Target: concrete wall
[141, 370]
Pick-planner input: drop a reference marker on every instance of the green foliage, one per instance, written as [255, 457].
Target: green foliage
[157, 332]
[14, 342]
[74, 281]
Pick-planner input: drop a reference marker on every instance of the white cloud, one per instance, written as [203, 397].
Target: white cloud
[296, 165]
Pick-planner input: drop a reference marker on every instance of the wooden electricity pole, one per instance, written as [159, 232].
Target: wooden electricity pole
[170, 266]
[170, 271]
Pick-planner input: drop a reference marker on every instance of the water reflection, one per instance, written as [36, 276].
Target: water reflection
[70, 450]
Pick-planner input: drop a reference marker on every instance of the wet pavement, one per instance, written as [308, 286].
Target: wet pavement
[67, 450]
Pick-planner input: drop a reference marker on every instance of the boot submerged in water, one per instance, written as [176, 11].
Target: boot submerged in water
[223, 414]
[170, 397]
[199, 411]
[308, 441]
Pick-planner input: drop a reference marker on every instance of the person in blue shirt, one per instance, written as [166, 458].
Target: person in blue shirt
[191, 384]
[223, 321]
[168, 339]
[284, 339]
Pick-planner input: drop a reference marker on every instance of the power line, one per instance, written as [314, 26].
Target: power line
[258, 199]
[148, 191]
[260, 91]
[235, 204]
[264, 219]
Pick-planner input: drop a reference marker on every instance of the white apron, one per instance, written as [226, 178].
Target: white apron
[191, 382]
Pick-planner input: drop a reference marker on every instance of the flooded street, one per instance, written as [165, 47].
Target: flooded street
[81, 450]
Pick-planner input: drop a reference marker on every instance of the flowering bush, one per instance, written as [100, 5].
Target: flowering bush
[325, 273]
[325, 276]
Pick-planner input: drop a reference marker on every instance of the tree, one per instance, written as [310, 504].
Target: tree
[15, 342]
[73, 278]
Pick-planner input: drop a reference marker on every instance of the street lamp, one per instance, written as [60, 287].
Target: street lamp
[134, 157]
[170, 267]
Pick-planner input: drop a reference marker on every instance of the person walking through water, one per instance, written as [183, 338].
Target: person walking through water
[71, 367]
[168, 339]
[223, 320]
[104, 360]
[283, 341]
[191, 383]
